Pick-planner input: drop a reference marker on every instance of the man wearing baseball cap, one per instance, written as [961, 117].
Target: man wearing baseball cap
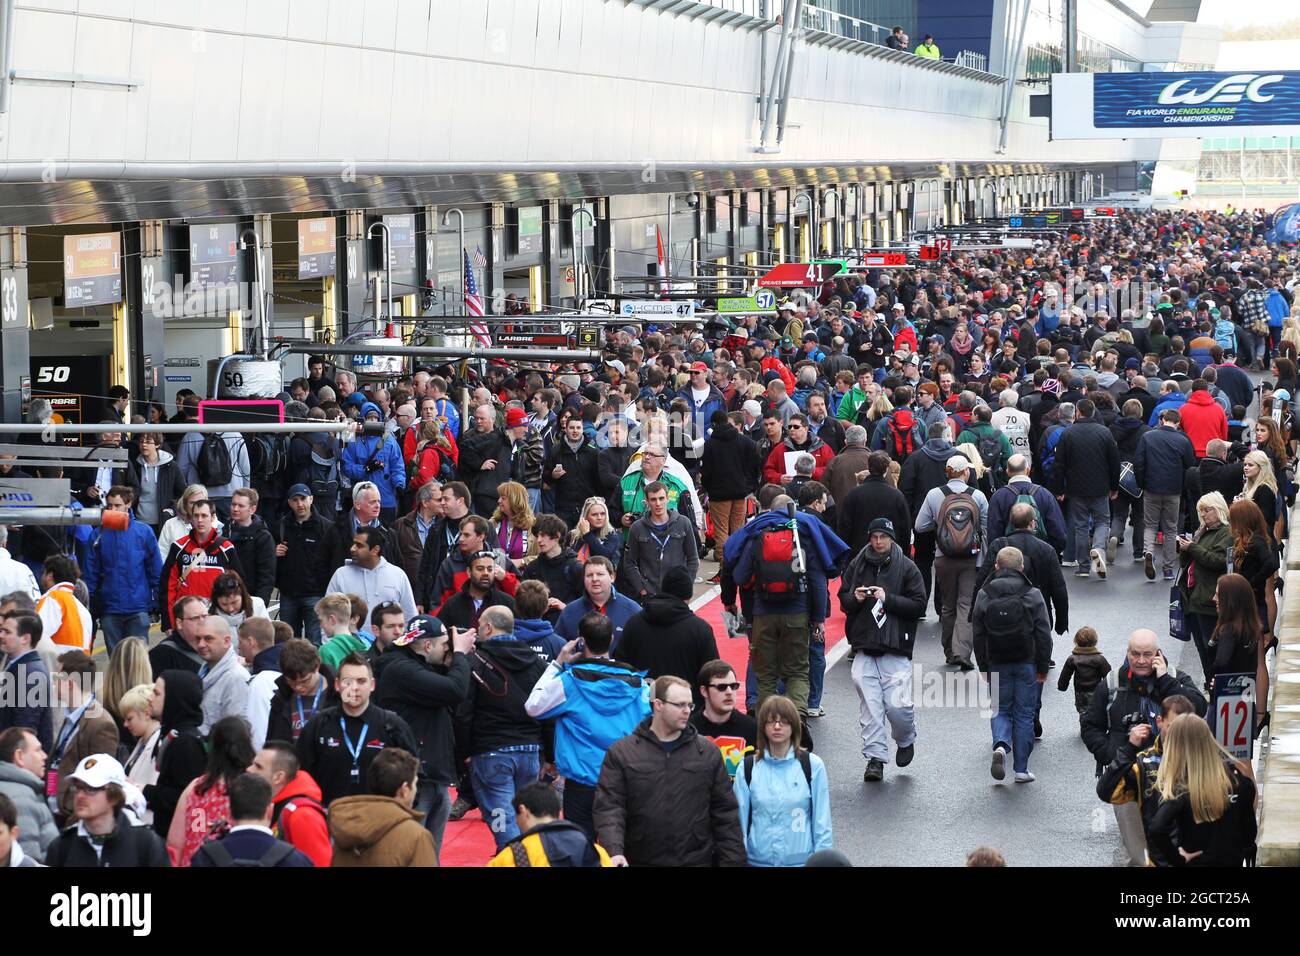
[427, 676]
[883, 597]
[103, 835]
[958, 514]
[302, 565]
[705, 398]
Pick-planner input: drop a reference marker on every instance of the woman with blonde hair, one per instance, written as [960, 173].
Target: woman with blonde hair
[978, 475]
[513, 520]
[141, 765]
[1207, 811]
[128, 665]
[782, 791]
[594, 536]
[880, 408]
[175, 528]
[1203, 556]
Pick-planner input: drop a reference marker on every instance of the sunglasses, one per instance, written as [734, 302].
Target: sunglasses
[85, 787]
[735, 685]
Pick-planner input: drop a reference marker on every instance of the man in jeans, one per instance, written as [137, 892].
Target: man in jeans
[1012, 640]
[492, 723]
[1160, 465]
[122, 572]
[302, 566]
[1086, 472]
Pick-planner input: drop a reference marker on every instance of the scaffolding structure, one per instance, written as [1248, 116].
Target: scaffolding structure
[1249, 165]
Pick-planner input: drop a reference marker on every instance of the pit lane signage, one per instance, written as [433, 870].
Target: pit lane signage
[798, 275]
[762, 301]
[92, 269]
[655, 309]
[1232, 713]
[317, 253]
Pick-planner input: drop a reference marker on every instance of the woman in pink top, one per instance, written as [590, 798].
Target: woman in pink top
[203, 812]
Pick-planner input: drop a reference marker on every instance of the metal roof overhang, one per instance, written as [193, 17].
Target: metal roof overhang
[73, 193]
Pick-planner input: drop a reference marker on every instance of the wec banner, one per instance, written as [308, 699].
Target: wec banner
[1160, 105]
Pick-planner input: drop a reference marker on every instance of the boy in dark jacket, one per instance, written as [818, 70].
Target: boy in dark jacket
[1087, 665]
[177, 705]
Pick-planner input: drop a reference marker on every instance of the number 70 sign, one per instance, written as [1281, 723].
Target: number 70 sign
[1232, 713]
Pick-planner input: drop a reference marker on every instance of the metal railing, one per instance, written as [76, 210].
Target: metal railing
[843, 25]
[972, 60]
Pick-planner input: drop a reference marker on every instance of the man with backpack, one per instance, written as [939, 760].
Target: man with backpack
[376, 459]
[921, 474]
[302, 566]
[250, 841]
[993, 446]
[219, 463]
[957, 513]
[1049, 523]
[253, 543]
[296, 811]
[1012, 639]
[788, 556]
[899, 433]
[1086, 471]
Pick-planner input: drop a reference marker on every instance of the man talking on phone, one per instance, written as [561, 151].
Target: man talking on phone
[883, 597]
[1131, 698]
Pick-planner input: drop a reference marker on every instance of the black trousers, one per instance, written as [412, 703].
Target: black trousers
[579, 806]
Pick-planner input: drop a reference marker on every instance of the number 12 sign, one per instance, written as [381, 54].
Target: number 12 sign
[1232, 713]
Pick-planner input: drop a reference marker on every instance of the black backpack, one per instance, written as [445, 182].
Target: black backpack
[275, 854]
[1007, 626]
[213, 464]
[267, 455]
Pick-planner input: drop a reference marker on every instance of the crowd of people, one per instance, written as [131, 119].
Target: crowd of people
[489, 586]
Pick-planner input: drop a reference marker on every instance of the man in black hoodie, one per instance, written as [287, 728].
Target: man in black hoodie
[302, 569]
[177, 705]
[666, 636]
[492, 724]
[729, 467]
[253, 543]
[926, 469]
[556, 565]
[426, 676]
[570, 470]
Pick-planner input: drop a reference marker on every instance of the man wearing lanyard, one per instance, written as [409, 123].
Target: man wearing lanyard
[87, 729]
[442, 539]
[339, 742]
[300, 691]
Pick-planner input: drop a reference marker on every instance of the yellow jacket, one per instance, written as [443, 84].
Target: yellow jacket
[558, 841]
[929, 51]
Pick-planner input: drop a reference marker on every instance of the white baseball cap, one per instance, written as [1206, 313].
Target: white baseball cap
[99, 770]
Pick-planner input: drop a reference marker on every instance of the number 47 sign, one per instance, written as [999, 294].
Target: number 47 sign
[1232, 713]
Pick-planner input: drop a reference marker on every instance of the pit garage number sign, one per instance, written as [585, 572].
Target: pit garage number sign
[1232, 713]
[798, 275]
[92, 269]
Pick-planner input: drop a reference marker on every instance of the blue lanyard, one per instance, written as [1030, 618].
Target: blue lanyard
[302, 719]
[354, 751]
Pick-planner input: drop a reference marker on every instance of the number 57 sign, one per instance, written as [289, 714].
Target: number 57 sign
[1232, 713]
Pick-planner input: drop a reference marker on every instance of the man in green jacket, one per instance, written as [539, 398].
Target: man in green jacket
[983, 435]
[928, 48]
[861, 392]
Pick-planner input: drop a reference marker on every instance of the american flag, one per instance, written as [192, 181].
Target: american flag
[474, 303]
[480, 260]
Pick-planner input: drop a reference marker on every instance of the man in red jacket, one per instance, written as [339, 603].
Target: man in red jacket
[798, 439]
[196, 561]
[1203, 418]
[296, 811]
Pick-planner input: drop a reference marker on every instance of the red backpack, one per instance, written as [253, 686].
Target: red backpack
[774, 572]
[901, 437]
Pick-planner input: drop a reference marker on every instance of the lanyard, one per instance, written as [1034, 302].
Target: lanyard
[66, 733]
[354, 751]
[302, 720]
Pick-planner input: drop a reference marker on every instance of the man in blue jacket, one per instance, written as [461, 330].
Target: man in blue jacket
[122, 572]
[787, 611]
[377, 458]
[594, 701]
[704, 398]
[598, 594]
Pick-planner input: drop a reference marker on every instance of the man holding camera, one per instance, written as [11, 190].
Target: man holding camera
[1132, 697]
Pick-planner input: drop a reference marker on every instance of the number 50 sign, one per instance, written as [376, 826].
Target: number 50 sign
[1232, 713]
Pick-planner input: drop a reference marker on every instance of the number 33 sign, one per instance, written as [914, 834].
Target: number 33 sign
[1232, 713]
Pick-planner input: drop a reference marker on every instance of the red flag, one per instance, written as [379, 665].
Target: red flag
[663, 270]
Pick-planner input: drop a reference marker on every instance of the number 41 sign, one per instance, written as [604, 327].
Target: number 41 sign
[1232, 713]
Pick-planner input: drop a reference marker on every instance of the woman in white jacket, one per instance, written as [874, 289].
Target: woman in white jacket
[142, 765]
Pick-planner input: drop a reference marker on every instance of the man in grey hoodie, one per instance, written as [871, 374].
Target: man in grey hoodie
[225, 679]
[22, 780]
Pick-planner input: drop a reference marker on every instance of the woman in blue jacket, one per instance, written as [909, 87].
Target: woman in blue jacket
[376, 458]
[785, 801]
